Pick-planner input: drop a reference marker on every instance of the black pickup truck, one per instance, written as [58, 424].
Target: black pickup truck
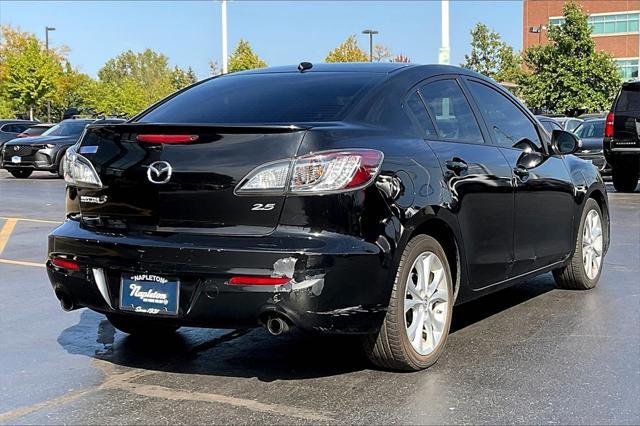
[622, 138]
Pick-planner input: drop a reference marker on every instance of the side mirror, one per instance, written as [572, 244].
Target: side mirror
[564, 142]
[529, 160]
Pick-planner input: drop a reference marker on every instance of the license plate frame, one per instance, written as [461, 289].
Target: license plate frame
[149, 294]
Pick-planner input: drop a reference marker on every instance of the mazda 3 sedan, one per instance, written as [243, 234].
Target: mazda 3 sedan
[367, 199]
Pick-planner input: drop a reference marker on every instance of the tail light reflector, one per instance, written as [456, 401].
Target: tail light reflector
[608, 126]
[65, 263]
[252, 280]
[167, 138]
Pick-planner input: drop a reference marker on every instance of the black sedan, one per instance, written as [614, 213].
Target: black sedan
[366, 199]
[591, 134]
[22, 156]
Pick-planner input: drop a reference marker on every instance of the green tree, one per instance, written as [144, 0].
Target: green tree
[491, 56]
[28, 73]
[244, 58]
[568, 74]
[348, 51]
[182, 78]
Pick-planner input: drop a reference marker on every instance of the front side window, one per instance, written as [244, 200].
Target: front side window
[510, 127]
[452, 114]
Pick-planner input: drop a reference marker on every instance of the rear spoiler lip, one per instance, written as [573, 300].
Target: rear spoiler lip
[272, 128]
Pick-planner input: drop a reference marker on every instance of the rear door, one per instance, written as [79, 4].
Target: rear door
[478, 178]
[187, 187]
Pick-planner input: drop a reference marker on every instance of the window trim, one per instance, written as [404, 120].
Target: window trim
[542, 133]
[628, 12]
[456, 78]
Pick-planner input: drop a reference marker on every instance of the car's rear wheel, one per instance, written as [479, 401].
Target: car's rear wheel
[140, 326]
[585, 267]
[625, 179]
[418, 318]
[21, 173]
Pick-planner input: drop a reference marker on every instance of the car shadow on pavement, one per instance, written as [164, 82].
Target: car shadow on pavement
[253, 352]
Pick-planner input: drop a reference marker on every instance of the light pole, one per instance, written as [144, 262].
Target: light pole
[371, 33]
[225, 54]
[445, 51]
[46, 43]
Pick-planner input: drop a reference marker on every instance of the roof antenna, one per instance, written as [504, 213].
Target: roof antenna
[303, 66]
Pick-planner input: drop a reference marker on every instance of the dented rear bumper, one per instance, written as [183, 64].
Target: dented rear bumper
[338, 283]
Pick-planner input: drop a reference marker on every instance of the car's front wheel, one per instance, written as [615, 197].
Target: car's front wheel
[417, 322]
[585, 267]
[21, 173]
[140, 326]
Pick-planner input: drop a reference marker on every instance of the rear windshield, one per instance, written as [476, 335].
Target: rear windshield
[591, 129]
[629, 98]
[266, 98]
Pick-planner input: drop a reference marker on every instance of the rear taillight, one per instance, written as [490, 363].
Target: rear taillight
[167, 138]
[65, 264]
[322, 172]
[608, 126]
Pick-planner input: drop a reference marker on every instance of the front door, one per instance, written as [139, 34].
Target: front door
[544, 201]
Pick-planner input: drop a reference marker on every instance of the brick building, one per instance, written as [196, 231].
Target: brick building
[614, 23]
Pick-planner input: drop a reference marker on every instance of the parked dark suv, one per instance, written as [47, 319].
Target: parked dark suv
[622, 138]
[338, 198]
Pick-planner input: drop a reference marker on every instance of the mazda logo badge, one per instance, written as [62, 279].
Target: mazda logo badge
[15, 148]
[159, 172]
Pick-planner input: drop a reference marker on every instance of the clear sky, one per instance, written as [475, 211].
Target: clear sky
[281, 32]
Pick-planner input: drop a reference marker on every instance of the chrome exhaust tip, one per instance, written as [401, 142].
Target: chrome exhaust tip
[277, 326]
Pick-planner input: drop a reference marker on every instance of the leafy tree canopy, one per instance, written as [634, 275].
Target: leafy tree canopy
[491, 56]
[244, 58]
[348, 51]
[568, 74]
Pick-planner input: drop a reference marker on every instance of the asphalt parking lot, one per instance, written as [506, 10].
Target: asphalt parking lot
[530, 354]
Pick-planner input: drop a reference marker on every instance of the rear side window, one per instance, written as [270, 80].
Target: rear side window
[505, 120]
[629, 99]
[416, 106]
[266, 98]
[451, 111]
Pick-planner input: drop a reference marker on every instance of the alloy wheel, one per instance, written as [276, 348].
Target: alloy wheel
[592, 244]
[426, 303]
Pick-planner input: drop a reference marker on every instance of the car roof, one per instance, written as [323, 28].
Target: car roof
[15, 120]
[370, 67]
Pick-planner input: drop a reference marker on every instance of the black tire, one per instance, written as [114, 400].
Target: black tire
[21, 173]
[391, 348]
[573, 276]
[61, 168]
[624, 179]
[141, 326]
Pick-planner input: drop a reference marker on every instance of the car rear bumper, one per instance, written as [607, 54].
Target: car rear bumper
[338, 283]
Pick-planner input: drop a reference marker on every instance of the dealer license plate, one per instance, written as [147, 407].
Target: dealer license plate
[149, 294]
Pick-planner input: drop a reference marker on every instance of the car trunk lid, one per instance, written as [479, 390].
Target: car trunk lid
[185, 186]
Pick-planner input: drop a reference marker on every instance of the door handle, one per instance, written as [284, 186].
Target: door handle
[521, 172]
[456, 165]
